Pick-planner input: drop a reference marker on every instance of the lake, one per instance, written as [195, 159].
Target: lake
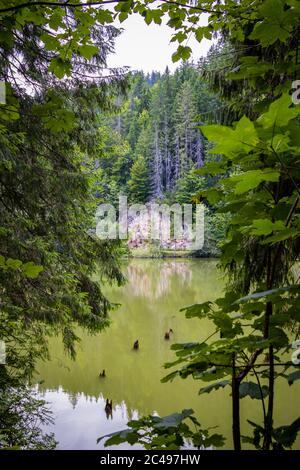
[150, 303]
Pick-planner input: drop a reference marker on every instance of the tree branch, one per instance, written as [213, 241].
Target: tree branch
[103, 2]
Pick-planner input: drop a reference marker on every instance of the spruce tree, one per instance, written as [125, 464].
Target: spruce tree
[139, 184]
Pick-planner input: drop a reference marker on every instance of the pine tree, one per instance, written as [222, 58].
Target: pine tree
[188, 186]
[157, 164]
[139, 183]
[162, 128]
[190, 138]
[159, 121]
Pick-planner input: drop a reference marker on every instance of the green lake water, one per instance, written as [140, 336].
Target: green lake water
[150, 303]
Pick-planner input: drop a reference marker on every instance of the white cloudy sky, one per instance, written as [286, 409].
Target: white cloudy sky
[147, 48]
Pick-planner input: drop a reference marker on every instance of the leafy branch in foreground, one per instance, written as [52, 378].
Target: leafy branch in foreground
[170, 432]
[22, 414]
[257, 162]
[283, 437]
[48, 147]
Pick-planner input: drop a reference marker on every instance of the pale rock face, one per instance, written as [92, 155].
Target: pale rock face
[139, 230]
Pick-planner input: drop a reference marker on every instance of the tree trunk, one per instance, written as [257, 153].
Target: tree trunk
[236, 432]
[269, 418]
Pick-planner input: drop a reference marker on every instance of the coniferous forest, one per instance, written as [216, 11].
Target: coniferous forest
[124, 342]
[155, 145]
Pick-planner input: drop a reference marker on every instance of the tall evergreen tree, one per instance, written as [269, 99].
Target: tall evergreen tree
[139, 184]
[189, 137]
[48, 146]
[159, 121]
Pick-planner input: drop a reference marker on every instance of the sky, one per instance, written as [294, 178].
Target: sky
[147, 48]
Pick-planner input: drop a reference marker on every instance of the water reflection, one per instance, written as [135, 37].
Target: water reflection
[144, 284]
[108, 408]
[151, 300]
[79, 426]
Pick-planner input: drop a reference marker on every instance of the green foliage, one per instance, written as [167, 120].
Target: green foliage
[214, 386]
[169, 432]
[49, 140]
[257, 150]
[188, 186]
[275, 23]
[283, 436]
[258, 189]
[293, 377]
[22, 414]
[139, 184]
[29, 269]
[158, 121]
[253, 390]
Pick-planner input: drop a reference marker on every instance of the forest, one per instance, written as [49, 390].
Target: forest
[152, 148]
[118, 344]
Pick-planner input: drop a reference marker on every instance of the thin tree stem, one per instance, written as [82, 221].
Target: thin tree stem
[269, 419]
[236, 431]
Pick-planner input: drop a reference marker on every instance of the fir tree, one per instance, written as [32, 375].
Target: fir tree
[139, 184]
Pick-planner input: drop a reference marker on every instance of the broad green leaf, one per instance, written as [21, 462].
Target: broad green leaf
[170, 377]
[280, 113]
[286, 435]
[285, 234]
[252, 178]
[252, 390]
[115, 438]
[172, 420]
[51, 42]
[123, 16]
[88, 51]
[232, 141]
[216, 440]
[32, 270]
[276, 24]
[56, 18]
[31, 15]
[267, 33]
[199, 34]
[104, 16]
[212, 195]
[293, 377]
[183, 52]
[153, 15]
[197, 310]
[63, 120]
[245, 131]
[227, 326]
[180, 37]
[211, 168]
[215, 386]
[266, 226]
[13, 263]
[124, 5]
[60, 67]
